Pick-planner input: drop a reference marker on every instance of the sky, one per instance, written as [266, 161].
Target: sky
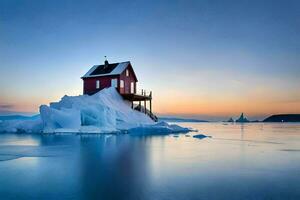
[205, 59]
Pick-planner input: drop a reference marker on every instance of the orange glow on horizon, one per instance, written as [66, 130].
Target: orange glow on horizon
[174, 102]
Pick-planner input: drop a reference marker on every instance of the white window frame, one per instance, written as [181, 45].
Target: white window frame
[122, 85]
[127, 72]
[114, 82]
[97, 84]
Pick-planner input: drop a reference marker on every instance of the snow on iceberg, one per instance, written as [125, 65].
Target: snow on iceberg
[103, 112]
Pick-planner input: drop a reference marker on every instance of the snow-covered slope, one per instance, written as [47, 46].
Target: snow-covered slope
[103, 112]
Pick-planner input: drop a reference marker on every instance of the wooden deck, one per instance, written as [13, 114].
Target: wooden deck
[136, 97]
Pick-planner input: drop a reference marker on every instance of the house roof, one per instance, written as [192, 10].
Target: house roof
[107, 70]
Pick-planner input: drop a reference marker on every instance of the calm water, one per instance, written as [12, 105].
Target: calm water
[251, 161]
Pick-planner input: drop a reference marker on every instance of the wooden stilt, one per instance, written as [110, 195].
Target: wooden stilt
[151, 103]
[145, 106]
[132, 104]
[151, 106]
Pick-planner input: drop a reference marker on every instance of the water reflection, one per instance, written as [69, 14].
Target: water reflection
[112, 168]
[240, 161]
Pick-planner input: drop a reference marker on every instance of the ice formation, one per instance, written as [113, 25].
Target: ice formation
[103, 112]
[201, 136]
[160, 128]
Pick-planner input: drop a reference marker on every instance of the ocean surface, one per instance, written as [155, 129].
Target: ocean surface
[239, 161]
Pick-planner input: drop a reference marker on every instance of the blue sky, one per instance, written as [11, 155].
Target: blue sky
[207, 59]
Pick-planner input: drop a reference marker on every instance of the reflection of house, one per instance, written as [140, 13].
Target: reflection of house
[122, 77]
[118, 75]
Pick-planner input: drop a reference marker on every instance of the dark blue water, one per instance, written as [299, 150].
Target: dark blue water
[253, 161]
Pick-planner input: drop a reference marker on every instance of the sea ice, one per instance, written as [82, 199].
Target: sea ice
[161, 128]
[201, 136]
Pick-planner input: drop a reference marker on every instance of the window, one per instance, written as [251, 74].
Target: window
[132, 87]
[121, 84]
[97, 84]
[127, 72]
[114, 82]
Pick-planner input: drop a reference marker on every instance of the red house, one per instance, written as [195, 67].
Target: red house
[122, 77]
[119, 75]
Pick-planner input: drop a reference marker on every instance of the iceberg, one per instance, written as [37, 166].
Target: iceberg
[242, 119]
[103, 112]
[201, 136]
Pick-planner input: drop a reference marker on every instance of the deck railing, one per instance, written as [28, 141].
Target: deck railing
[144, 92]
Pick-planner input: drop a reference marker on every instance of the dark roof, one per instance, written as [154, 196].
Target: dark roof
[104, 69]
[109, 70]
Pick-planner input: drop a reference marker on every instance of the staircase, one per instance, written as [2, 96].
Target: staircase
[147, 112]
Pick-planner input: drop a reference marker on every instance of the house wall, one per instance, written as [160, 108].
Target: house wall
[89, 84]
[127, 80]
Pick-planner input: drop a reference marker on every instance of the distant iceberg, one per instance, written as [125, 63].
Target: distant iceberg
[230, 120]
[242, 119]
[103, 112]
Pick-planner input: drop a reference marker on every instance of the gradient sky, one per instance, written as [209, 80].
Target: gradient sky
[204, 59]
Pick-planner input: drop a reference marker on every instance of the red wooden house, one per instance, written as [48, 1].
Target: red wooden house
[118, 75]
[122, 77]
